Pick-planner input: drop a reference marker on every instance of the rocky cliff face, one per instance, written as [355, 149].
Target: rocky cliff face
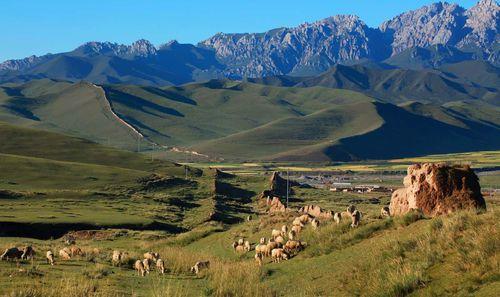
[443, 23]
[312, 48]
[305, 49]
[437, 189]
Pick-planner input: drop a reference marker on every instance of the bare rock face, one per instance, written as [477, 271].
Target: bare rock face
[275, 205]
[437, 189]
[310, 47]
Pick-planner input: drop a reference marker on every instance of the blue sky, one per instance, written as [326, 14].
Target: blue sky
[37, 27]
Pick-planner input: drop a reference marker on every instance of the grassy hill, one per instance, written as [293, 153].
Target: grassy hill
[365, 130]
[247, 121]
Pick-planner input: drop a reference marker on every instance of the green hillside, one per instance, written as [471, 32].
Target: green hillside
[236, 120]
[34, 143]
[360, 131]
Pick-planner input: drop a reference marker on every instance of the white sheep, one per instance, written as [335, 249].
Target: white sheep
[28, 253]
[65, 253]
[315, 223]
[139, 266]
[50, 258]
[152, 256]
[296, 229]
[147, 265]
[258, 258]
[337, 217]
[247, 246]
[275, 233]
[199, 265]
[160, 266]
[356, 217]
[279, 254]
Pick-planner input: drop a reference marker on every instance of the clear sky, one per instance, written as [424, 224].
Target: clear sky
[41, 26]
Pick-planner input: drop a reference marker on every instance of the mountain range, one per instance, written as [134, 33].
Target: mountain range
[429, 37]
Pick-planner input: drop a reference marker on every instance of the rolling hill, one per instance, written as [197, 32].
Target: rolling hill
[236, 120]
[469, 80]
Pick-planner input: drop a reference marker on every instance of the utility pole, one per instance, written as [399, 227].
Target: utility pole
[287, 186]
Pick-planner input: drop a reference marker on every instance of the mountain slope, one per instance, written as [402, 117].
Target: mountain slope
[367, 130]
[247, 121]
[399, 85]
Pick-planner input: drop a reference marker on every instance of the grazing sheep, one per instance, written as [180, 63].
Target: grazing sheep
[315, 223]
[11, 254]
[116, 257]
[356, 217]
[275, 233]
[151, 256]
[240, 249]
[337, 217]
[284, 229]
[262, 240]
[279, 254]
[234, 245]
[247, 246]
[65, 253]
[249, 218]
[272, 245]
[28, 253]
[350, 209]
[160, 265]
[76, 251]
[296, 229]
[298, 222]
[293, 246]
[258, 258]
[292, 234]
[50, 258]
[385, 212]
[139, 266]
[262, 249]
[241, 241]
[200, 265]
[279, 240]
[147, 264]
[304, 219]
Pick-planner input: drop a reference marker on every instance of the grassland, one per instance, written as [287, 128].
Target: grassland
[242, 121]
[52, 184]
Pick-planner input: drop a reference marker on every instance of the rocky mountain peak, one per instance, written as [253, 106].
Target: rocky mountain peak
[142, 48]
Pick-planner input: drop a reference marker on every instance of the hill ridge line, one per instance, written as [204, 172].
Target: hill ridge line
[109, 106]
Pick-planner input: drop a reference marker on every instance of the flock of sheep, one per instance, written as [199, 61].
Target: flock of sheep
[143, 267]
[278, 249]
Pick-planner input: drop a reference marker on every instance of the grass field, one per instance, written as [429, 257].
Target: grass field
[53, 184]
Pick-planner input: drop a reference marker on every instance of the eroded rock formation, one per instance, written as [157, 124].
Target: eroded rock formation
[437, 189]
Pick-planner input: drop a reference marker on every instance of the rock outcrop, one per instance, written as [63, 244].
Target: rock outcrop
[275, 205]
[279, 187]
[436, 189]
